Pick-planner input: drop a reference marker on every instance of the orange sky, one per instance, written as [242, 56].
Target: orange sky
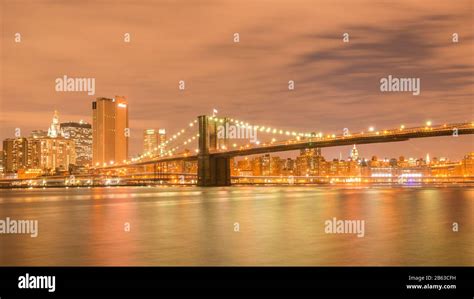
[337, 84]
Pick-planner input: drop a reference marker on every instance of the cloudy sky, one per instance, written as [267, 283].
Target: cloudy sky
[337, 85]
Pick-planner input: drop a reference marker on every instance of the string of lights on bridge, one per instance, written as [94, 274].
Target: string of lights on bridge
[176, 137]
[180, 136]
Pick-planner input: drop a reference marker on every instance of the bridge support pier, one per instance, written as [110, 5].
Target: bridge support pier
[212, 171]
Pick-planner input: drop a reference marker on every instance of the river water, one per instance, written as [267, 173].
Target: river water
[239, 225]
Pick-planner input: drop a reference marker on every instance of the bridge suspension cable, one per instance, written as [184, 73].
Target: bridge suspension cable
[265, 129]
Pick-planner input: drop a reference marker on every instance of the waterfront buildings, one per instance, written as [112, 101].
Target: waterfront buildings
[311, 163]
[16, 156]
[45, 154]
[42, 152]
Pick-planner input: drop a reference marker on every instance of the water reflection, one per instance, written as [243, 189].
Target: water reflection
[278, 226]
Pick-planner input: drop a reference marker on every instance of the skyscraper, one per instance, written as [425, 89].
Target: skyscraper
[54, 129]
[110, 130]
[354, 153]
[162, 135]
[15, 151]
[311, 151]
[467, 164]
[310, 162]
[22, 153]
[81, 133]
[56, 154]
[152, 139]
[161, 139]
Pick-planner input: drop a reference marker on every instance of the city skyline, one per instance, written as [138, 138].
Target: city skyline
[334, 151]
[105, 143]
[336, 83]
[153, 138]
[315, 134]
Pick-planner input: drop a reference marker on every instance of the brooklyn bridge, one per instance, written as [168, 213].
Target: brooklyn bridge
[200, 142]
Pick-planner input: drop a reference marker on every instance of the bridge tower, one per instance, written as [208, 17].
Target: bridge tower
[212, 170]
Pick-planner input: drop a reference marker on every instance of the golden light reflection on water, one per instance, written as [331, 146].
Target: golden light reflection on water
[278, 226]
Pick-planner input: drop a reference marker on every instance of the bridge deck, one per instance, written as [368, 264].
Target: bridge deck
[393, 135]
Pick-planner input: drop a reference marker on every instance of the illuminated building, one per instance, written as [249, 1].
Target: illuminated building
[337, 167]
[39, 133]
[353, 168]
[244, 167]
[411, 162]
[276, 165]
[109, 131]
[265, 162]
[468, 164]
[413, 172]
[382, 173]
[152, 139]
[402, 162]
[161, 140]
[190, 166]
[21, 153]
[54, 129]
[56, 154]
[310, 162]
[270, 165]
[374, 162]
[354, 153]
[1, 163]
[15, 153]
[310, 152]
[288, 167]
[29, 173]
[393, 162]
[43, 151]
[257, 166]
[444, 168]
[81, 133]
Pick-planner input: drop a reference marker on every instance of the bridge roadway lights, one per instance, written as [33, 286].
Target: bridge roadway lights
[212, 171]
